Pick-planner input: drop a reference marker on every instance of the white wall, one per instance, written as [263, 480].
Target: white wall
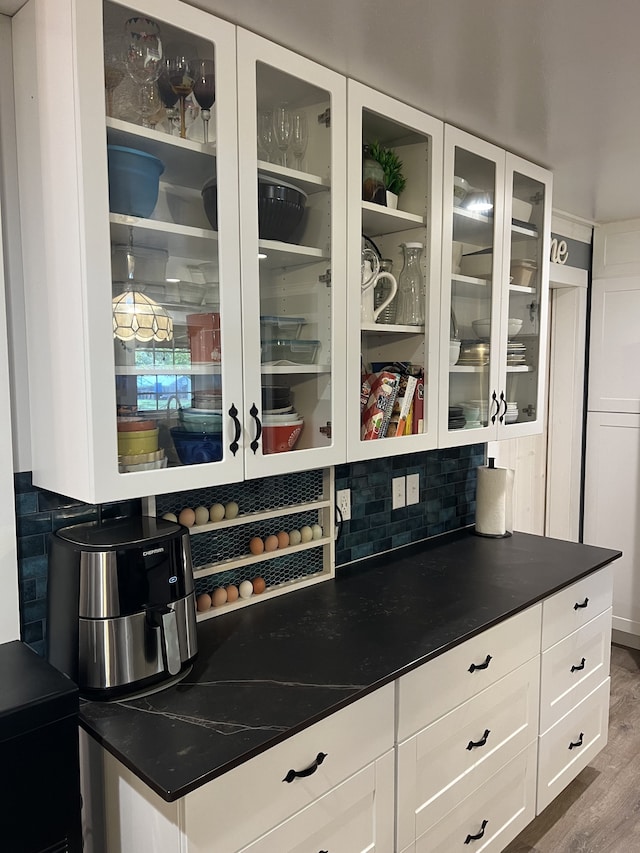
[9, 620]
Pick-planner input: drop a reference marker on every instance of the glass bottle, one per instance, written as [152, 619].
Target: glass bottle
[410, 298]
[383, 288]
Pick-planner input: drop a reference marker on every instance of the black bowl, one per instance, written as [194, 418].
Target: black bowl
[280, 207]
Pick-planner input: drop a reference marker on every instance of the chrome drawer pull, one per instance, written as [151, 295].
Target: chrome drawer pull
[470, 838]
[484, 665]
[578, 742]
[576, 606]
[472, 744]
[575, 668]
[308, 771]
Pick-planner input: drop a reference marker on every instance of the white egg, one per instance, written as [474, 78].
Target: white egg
[231, 510]
[246, 589]
[316, 531]
[170, 516]
[216, 512]
[202, 515]
[294, 537]
[306, 534]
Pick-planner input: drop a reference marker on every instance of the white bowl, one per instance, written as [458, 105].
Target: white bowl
[454, 352]
[513, 326]
[460, 190]
[521, 210]
[482, 328]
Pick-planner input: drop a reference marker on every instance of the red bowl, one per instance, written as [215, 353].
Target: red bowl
[135, 425]
[279, 439]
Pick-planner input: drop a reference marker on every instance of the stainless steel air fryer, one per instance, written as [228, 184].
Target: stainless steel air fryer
[121, 605]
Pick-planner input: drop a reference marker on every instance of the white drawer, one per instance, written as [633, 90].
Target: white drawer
[573, 668]
[569, 746]
[497, 812]
[439, 767]
[350, 738]
[569, 609]
[444, 682]
[356, 816]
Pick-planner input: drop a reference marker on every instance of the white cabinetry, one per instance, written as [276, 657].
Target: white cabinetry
[496, 233]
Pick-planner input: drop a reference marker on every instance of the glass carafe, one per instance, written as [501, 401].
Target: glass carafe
[410, 298]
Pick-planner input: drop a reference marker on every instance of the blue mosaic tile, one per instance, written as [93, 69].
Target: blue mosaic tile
[32, 567]
[31, 546]
[28, 591]
[26, 503]
[48, 501]
[33, 632]
[22, 482]
[33, 611]
[73, 515]
[30, 525]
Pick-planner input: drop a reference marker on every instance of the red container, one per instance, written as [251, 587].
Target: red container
[204, 337]
[279, 439]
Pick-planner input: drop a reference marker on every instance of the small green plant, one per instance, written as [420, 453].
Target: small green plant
[394, 180]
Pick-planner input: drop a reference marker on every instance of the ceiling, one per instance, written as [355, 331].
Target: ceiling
[556, 82]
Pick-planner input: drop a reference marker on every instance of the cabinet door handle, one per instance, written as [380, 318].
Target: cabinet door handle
[253, 411]
[577, 606]
[494, 399]
[308, 771]
[233, 413]
[575, 667]
[502, 400]
[578, 742]
[477, 837]
[484, 665]
[473, 743]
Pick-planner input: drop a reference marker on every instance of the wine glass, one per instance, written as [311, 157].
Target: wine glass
[168, 97]
[299, 137]
[266, 140]
[142, 53]
[204, 90]
[151, 107]
[181, 78]
[282, 130]
[114, 69]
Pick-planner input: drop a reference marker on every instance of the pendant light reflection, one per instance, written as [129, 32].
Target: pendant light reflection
[478, 201]
[136, 316]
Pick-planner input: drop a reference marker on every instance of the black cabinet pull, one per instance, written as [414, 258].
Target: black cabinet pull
[253, 411]
[484, 665]
[470, 838]
[575, 668]
[577, 606]
[494, 399]
[233, 413]
[573, 745]
[308, 771]
[502, 400]
[473, 743]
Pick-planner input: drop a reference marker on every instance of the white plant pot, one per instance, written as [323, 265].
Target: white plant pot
[392, 200]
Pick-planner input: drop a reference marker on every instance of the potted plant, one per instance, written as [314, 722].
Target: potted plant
[394, 180]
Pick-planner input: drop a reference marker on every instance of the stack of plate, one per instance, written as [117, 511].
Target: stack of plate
[516, 354]
[511, 415]
[456, 418]
[474, 353]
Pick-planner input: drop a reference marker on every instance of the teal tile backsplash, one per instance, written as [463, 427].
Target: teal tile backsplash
[447, 502]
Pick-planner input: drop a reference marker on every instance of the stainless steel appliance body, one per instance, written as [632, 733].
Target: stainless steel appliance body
[121, 604]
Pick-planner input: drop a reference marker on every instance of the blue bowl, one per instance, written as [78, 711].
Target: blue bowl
[197, 447]
[133, 181]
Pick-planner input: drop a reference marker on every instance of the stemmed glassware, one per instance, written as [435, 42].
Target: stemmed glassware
[142, 55]
[282, 129]
[266, 140]
[299, 137]
[204, 90]
[181, 79]
[168, 97]
[114, 69]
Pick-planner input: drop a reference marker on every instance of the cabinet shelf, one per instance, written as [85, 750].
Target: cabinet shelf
[178, 240]
[168, 370]
[378, 219]
[252, 559]
[392, 328]
[250, 517]
[280, 254]
[294, 368]
[473, 228]
[524, 231]
[192, 170]
[518, 288]
[480, 368]
[304, 180]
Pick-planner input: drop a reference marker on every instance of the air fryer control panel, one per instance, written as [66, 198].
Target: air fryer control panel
[151, 574]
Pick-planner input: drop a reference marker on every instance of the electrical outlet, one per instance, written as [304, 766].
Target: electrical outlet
[413, 489]
[398, 492]
[343, 502]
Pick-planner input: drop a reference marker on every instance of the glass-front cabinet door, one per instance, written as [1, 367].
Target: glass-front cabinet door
[394, 215]
[495, 292]
[292, 131]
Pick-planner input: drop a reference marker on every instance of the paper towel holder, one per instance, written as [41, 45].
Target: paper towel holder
[508, 508]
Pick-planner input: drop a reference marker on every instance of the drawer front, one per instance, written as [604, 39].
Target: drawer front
[445, 682]
[573, 607]
[447, 761]
[569, 746]
[573, 668]
[350, 738]
[356, 816]
[487, 820]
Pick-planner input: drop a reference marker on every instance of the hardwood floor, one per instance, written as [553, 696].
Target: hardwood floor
[599, 812]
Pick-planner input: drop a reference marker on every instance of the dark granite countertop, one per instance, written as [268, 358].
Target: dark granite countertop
[267, 671]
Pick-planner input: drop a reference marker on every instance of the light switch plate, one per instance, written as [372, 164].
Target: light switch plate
[413, 489]
[398, 492]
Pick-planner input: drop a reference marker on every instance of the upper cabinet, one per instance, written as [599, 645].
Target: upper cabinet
[496, 210]
[393, 276]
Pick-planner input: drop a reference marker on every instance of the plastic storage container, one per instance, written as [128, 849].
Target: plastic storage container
[133, 181]
[295, 351]
[279, 328]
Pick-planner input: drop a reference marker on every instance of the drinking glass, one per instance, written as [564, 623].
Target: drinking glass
[181, 78]
[168, 97]
[204, 90]
[282, 131]
[266, 140]
[142, 53]
[299, 137]
[114, 69]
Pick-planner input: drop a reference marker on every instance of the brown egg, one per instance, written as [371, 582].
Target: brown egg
[203, 602]
[219, 596]
[258, 585]
[256, 545]
[271, 543]
[187, 517]
[232, 593]
[283, 539]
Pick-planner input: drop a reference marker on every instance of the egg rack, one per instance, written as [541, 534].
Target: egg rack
[220, 549]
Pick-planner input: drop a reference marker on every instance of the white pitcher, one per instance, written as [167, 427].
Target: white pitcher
[369, 280]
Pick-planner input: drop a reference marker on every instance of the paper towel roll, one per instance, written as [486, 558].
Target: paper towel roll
[494, 501]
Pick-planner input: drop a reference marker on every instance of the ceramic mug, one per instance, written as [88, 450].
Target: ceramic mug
[367, 312]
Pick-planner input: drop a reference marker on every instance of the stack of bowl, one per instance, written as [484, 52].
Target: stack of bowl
[138, 445]
[281, 429]
[511, 415]
[198, 436]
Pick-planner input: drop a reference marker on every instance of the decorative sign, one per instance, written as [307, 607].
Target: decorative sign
[559, 251]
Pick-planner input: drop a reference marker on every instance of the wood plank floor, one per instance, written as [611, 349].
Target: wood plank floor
[599, 812]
